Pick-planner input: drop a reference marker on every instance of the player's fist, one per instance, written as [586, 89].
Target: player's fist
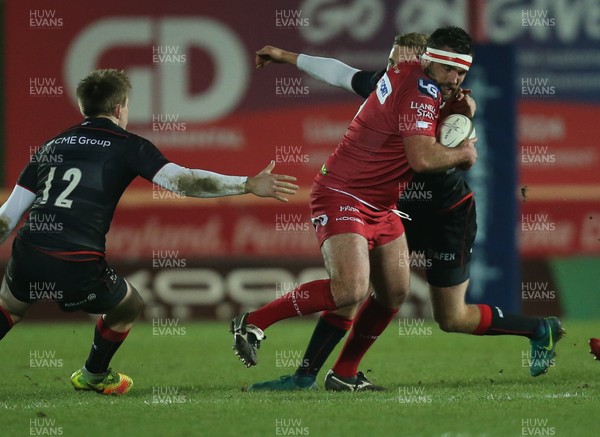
[269, 54]
[462, 103]
[469, 151]
[266, 184]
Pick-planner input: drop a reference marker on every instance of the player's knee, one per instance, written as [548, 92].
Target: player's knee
[392, 298]
[399, 295]
[137, 303]
[130, 308]
[349, 289]
[397, 299]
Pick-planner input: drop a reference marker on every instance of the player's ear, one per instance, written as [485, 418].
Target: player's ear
[119, 108]
[81, 108]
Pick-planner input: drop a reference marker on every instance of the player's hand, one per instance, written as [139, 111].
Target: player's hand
[266, 184]
[468, 148]
[462, 103]
[269, 54]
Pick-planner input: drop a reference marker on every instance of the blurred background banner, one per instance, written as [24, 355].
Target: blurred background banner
[494, 267]
[198, 97]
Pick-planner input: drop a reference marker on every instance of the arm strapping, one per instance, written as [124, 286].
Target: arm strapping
[328, 70]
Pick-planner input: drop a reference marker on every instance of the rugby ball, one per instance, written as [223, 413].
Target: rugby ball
[454, 129]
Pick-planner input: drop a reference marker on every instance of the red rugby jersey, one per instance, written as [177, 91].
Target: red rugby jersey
[370, 161]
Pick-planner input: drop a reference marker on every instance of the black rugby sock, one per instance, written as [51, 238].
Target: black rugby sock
[106, 343]
[495, 322]
[330, 329]
[6, 322]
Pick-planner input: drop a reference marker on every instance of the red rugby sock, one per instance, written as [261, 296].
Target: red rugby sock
[305, 299]
[370, 322]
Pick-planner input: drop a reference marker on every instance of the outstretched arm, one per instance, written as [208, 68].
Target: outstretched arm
[203, 183]
[19, 201]
[328, 70]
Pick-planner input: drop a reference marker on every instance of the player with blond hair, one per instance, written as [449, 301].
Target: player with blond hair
[71, 188]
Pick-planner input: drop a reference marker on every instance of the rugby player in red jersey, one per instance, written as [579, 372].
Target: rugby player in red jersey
[434, 229]
[75, 181]
[353, 208]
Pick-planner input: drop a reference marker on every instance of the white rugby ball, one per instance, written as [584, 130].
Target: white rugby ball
[454, 129]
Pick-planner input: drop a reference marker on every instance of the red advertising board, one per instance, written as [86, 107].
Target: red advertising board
[556, 145]
[196, 93]
[213, 229]
[198, 97]
[560, 186]
[559, 228]
[157, 224]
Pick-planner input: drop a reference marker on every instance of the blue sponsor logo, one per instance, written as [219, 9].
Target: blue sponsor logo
[383, 89]
[429, 88]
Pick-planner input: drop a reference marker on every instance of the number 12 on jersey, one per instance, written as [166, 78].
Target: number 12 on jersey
[73, 176]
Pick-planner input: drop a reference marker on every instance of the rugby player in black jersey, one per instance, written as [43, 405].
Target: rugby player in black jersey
[442, 227]
[71, 188]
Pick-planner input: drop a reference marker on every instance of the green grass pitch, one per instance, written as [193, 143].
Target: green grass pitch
[188, 383]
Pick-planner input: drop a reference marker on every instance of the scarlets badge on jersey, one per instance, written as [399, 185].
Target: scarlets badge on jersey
[428, 87]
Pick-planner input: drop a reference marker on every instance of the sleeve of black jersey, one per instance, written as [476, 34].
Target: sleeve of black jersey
[364, 82]
[28, 178]
[147, 159]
